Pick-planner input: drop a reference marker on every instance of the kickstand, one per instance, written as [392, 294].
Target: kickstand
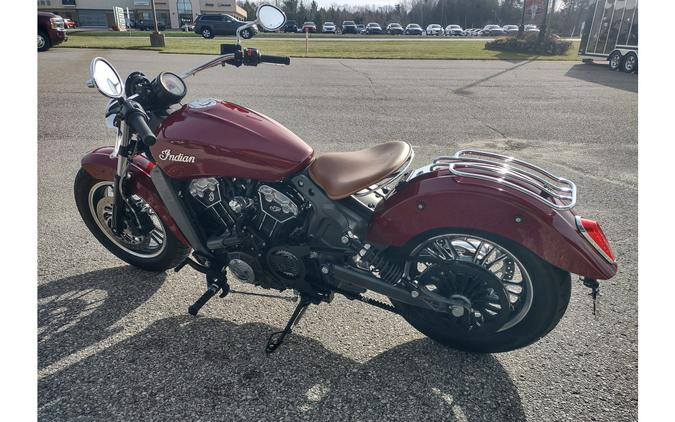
[275, 339]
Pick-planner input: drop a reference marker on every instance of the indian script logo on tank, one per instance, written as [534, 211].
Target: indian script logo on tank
[166, 155]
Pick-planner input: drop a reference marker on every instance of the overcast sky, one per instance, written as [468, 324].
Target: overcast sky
[328, 3]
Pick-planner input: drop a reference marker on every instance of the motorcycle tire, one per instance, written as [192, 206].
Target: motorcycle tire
[551, 289]
[169, 257]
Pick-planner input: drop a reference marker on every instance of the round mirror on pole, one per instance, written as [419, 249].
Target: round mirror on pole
[270, 17]
[104, 76]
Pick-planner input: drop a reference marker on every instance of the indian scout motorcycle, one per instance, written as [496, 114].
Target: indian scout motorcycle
[475, 250]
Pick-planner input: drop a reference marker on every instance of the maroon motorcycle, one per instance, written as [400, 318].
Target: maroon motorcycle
[475, 250]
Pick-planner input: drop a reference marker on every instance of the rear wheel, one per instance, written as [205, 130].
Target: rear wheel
[511, 298]
[152, 249]
[207, 33]
[630, 63]
[44, 43]
[246, 34]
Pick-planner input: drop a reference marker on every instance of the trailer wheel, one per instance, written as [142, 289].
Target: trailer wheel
[615, 60]
[629, 63]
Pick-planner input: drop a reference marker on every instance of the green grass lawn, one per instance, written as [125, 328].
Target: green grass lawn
[328, 49]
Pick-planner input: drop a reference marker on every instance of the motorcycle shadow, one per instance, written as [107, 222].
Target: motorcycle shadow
[76, 312]
[186, 368]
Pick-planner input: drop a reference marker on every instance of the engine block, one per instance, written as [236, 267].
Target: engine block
[277, 210]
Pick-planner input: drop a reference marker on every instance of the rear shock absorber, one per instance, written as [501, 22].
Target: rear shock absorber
[374, 260]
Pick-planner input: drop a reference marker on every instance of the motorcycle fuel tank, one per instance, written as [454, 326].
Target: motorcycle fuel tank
[214, 138]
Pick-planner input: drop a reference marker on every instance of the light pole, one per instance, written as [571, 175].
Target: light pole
[156, 38]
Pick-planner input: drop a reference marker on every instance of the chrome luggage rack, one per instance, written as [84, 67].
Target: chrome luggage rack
[556, 192]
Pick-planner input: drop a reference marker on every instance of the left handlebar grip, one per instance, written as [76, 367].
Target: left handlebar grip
[137, 121]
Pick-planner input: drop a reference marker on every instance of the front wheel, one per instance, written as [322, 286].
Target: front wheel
[615, 60]
[152, 248]
[510, 297]
[246, 34]
[43, 41]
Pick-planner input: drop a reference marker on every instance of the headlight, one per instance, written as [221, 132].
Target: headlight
[55, 23]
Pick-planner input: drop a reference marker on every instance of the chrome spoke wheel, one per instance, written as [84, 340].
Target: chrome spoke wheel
[483, 254]
[41, 41]
[147, 245]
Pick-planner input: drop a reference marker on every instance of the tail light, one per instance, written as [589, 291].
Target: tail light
[593, 233]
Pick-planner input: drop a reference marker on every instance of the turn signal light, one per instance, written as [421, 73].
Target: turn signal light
[593, 233]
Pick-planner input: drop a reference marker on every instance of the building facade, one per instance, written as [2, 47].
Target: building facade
[172, 13]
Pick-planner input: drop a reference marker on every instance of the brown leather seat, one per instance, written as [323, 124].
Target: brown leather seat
[341, 174]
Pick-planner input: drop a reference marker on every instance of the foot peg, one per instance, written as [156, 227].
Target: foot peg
[215, 283]
[275, 339]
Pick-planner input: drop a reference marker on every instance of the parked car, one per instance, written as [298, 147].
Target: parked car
[68, 24]
[492, 31]
[291, 26]
[309, 27]
[328, 28]
[531, 28]
[208, 26]
[349, 27]
[510, 29]
[149, 25]
[50, 31]
[374, 28]
[413, 29]
[395, 29]
[454, 30]
[361, 28]
[434, 29]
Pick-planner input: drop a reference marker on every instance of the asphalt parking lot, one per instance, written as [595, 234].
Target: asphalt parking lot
[116, 343]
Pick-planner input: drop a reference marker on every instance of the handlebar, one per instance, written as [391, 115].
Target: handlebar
[138, 121]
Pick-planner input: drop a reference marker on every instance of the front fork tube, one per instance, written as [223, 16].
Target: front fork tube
[121, 144]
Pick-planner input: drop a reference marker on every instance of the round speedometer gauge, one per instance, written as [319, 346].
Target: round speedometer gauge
[172, 83]
[167, 89]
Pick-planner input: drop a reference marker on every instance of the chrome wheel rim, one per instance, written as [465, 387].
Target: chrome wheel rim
[486, 254]
[614, 62]
[630, 63]
[147, 246]
[206, 33]
[41, 41]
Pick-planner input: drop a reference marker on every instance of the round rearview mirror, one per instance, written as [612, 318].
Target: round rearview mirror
[105, 78]
[270, 17]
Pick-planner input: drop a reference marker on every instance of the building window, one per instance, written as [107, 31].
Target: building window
[68, 2]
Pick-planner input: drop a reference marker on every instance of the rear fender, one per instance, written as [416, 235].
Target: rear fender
[99, 165]
[439, 200]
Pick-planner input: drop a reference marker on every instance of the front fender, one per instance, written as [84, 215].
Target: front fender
[99, 165]
[440, 200]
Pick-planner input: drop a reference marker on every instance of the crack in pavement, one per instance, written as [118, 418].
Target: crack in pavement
[371, 84]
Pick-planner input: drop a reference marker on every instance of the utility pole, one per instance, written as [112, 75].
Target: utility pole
[521, 28]
[542, 33]
[156, 39]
